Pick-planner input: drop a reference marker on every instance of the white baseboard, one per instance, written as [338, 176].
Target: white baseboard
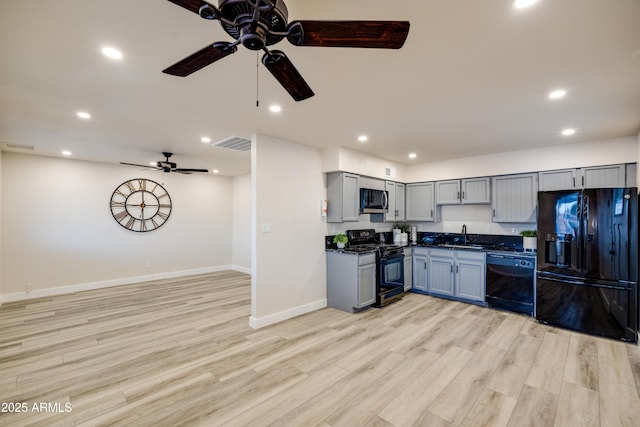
[241, 269]
[40, 293]
[261, 322]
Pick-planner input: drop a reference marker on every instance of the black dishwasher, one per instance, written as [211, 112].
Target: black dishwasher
[510, 282]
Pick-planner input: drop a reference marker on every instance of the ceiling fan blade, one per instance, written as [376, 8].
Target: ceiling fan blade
[367, 34]
[141, 166]
[200, 59]
[286, 74]
[193, 5]
[187, 171]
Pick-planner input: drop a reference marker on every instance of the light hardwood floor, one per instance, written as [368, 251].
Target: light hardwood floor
[180, 352]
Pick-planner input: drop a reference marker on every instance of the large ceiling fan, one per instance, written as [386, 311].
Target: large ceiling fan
[257, 24]
[167, 166]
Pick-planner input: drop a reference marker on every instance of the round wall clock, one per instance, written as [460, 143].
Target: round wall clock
[140, 205]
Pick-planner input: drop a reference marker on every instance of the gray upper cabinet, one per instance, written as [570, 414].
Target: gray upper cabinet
[631, 175]
[603, 176]
[610, 176]
[448, 192]
[396, 202]
[515, 198]
[565, 179]
[420, 204]
[465, 191]
[476, 190]
[342, 197]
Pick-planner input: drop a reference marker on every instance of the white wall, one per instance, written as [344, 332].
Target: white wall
[241, 250]
[288, 260]
[1, 287]
[58, 231]
[344, 159]
[621, 150]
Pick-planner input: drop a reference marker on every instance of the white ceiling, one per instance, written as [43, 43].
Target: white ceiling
[472, 78]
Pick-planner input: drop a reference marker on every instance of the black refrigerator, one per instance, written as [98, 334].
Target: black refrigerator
[587, 268]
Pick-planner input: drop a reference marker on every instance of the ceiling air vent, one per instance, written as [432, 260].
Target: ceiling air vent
[389, 172]
[234, 143]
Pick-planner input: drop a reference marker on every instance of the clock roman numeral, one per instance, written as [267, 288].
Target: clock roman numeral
[130, 186]
[130, 223]
[163, 215]
[143, 226]
[142, 185]
[116, 204]
[121, 215]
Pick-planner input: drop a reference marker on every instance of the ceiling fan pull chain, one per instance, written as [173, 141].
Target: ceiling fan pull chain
[257, 80]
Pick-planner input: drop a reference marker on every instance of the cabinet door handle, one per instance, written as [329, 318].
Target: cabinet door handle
[574, 182]
[458, 195]
[457, 269]
[463, 195]
[583, 180]
[431, 213]
[452, 268]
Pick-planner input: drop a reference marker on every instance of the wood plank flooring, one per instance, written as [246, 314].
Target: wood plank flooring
[180, 352]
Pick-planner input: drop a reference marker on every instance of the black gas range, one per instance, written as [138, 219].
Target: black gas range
[389, 264]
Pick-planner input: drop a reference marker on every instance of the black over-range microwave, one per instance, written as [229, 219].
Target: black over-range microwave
[373, 201]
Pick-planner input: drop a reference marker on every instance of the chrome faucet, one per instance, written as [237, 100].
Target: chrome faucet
[464, 233]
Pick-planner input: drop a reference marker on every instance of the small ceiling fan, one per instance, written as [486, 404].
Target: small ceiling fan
[167, 166]
[257, 24]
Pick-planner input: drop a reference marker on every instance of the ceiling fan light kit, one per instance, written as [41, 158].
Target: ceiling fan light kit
[257, 24]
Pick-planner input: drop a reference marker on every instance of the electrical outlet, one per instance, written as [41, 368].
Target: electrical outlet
[29, 287]
[148, 264]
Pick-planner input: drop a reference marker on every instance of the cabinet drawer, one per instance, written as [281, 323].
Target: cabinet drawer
[366, 259]
[470, 255]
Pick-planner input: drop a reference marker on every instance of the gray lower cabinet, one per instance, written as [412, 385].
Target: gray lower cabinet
[407, 269]
[420, 270]
[515, 198]
[441, 264]
[343, 197]
[351, 281]
[458, 274]
[470, 279]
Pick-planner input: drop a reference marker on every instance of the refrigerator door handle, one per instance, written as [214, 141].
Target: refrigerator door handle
[580, 283]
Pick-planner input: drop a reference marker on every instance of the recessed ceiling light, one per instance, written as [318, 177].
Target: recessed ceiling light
[523, 4]
[275, 108]
[557, 94]
[66, 153]
[112, 53]
[83, 115]
[205, 139]
[363, 138]
[412, 155]
[568, 132]
[216, 171]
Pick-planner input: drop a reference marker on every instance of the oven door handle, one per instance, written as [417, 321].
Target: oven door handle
[392, 258]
